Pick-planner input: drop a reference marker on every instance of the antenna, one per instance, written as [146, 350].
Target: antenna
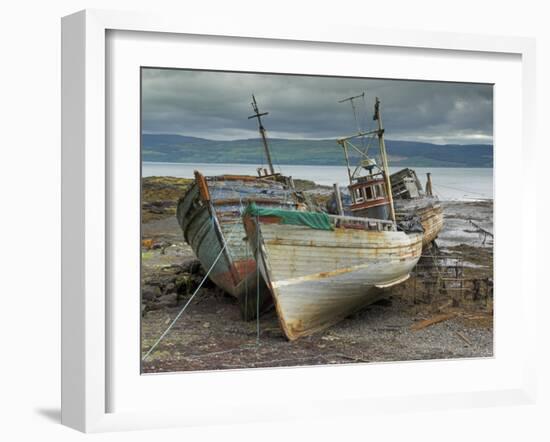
[261, 128]
[350, 99]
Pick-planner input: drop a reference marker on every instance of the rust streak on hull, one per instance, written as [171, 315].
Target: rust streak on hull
[318, 277]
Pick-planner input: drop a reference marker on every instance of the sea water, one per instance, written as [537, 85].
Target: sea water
[449, 183]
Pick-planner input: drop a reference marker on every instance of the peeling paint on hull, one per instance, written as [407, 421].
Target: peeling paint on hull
[317, 277]
[207, 226]
[432, 222]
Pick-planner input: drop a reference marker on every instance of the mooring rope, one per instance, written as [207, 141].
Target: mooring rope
[192, 296]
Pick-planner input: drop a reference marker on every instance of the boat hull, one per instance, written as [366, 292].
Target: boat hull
[318, 277]
[428, 209]
[212, 226]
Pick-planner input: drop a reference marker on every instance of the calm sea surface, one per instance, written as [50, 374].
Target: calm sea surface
[449, 183]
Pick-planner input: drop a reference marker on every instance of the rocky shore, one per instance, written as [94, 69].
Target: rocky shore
[440, 312]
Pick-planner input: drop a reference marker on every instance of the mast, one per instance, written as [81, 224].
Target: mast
[343, 142]
[383, 156]
[261, 128]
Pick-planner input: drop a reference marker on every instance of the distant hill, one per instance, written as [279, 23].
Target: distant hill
[183, 149]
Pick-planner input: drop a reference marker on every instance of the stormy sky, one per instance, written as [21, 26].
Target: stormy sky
[215, 105]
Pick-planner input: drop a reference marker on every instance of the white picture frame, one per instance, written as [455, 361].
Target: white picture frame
[86, 211]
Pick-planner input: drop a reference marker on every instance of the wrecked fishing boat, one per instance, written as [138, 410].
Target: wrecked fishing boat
[410, 199]
[411, 203]
[209, 215]
[318, 276]
[322, 267]
[411, 207]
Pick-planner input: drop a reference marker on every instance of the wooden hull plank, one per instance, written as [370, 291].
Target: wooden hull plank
[319, 277]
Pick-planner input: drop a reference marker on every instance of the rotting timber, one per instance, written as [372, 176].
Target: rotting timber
[210, 217]
[410, 199]
[321, 268]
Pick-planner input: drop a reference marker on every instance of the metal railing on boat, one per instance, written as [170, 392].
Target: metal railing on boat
[369, 223]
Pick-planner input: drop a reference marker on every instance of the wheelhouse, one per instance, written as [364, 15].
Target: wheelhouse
[370, 198]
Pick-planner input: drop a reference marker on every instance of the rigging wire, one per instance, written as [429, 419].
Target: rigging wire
[276, 159]
[364, 118]
[365, 113]
[461, 190]
[355, 116]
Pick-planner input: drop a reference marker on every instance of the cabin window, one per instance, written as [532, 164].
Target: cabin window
[358, 195]
[368, 191]
[379, 191]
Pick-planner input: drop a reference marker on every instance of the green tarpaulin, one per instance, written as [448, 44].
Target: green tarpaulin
[315, 220]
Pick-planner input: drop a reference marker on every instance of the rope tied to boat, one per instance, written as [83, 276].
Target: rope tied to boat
[192, 296]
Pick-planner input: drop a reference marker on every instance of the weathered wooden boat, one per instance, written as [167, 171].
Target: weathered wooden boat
[322, 271]
[321, 268]
[210, 217]
[410, 199]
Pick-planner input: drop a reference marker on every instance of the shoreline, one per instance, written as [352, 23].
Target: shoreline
[450, 183]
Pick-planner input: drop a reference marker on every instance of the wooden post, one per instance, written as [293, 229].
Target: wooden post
[429, 184]
[291, 182]
[339, 204]
[203, 187]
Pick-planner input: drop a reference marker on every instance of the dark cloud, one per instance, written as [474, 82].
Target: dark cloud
[216, 105]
